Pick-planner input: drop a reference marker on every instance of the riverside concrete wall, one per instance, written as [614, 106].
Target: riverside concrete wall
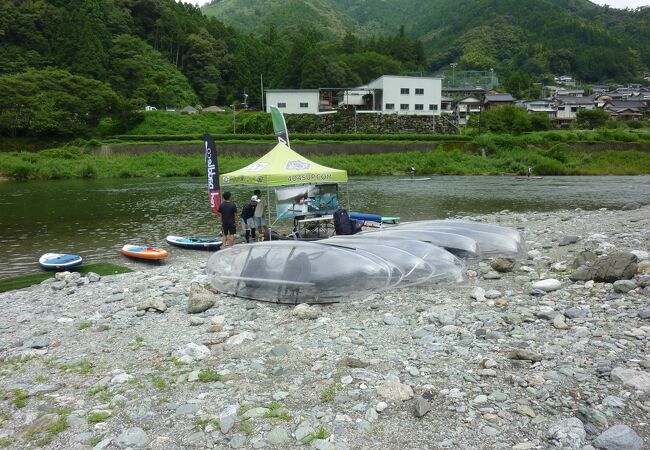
[339, 148]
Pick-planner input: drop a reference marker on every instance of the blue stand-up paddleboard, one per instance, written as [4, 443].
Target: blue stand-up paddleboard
[373, 217]
[194, 242]
[59, 261]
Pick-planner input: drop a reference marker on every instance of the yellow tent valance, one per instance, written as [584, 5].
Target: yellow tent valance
[280, 167]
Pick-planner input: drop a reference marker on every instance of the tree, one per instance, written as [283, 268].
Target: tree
[54, 102]
[141, 74]
[504, 119]
[591, 118]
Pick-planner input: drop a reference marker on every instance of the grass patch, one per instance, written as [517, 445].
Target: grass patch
[23, 281]
[3, 417]
[83, 367]
[159, 382]
[322, 433]
[327, 394]
[277, 411]
[97, 389]
[19, 398]
[15, 363]
[84, 325]
[94, 441]
[137, 343]
[209, 375]
[5, 442]
[98, 417]
[246, 427]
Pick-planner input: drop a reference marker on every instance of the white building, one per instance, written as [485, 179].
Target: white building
[406, 95]
[568, 107]
[387, 94]
[293, 101]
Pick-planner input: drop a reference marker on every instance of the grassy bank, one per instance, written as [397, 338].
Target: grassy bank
[103, 269]
[492, 159]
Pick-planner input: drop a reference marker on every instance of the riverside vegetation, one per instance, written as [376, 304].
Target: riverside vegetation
[493, 153]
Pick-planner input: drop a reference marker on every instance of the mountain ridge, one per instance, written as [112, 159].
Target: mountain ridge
[550, 36]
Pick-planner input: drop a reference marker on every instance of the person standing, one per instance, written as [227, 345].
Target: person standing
[260, 214]
[228, 212]
[248, 218]
[530, 171]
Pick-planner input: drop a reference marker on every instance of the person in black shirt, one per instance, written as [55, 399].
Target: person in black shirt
[228, 212]
[247, 218]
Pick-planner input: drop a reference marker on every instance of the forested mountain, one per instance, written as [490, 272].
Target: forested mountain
[539, 37]
[116, 56]
[67, 65]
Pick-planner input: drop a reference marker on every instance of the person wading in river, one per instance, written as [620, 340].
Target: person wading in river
[228, 212]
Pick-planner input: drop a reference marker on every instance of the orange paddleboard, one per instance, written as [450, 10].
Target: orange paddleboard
[144, 252]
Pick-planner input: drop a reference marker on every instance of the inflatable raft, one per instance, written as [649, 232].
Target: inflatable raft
[59, 261]
[144, 252]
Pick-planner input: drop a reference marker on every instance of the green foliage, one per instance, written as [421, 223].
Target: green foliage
[547, 36]
[19, 398]
[82, 367]
[141, 74]
[162, 123]
[322, 433]
[509, 120]
[10, 284]
[98, 417]
[591, 118]
[209, 375]
[53, 102]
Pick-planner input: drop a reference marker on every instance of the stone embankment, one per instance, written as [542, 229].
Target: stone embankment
[526, 354]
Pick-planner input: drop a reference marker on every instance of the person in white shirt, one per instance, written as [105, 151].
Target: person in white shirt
[260, 214]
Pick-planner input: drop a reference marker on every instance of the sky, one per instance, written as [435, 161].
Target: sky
[612, 3]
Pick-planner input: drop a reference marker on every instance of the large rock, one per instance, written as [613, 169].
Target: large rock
[608, 269]
[567, 434]
[152, 304]
[630, 378]
[134, 437]
[503, 264]
[619, 437]
[200, 299]
[395, 391]
[584, 257]
[305, 311]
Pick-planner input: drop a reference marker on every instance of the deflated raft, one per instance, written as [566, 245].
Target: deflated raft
[344, 268]
[296, 272]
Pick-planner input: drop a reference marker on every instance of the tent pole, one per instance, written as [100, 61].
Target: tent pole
[268, 208]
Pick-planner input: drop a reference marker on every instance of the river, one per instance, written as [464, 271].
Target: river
[96, 218]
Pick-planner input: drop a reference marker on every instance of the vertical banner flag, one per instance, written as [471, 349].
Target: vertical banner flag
[212, 170]
[279, 126]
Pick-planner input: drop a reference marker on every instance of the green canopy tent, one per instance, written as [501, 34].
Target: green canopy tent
[282, 167]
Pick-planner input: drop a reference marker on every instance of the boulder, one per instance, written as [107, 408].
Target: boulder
[200, 299]
[608, 269]
[584, 257]
[503, 264]
[619, 437]
[630, 378]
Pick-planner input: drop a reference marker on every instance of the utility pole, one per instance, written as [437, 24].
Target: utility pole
[234, 120]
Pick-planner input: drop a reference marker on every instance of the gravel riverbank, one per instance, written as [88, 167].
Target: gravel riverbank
[519, 359]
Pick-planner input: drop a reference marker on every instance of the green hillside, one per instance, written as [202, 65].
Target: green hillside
[542, 37]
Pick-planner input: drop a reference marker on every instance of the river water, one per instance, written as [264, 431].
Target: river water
[96, 218]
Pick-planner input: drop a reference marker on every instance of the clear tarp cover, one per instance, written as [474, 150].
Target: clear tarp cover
[445, 266]
[298, 272]
[413, 269]
[492, 240]
[461, 246]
